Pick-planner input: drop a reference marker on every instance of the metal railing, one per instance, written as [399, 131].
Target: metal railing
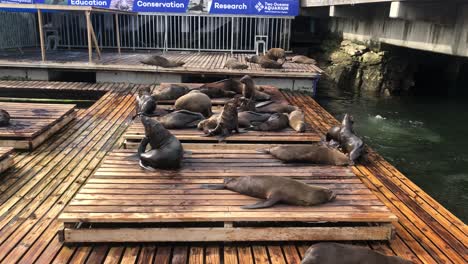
[18, 30]
[189, 32]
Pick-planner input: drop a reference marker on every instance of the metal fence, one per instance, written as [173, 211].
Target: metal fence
[174, 32]
[18, 30]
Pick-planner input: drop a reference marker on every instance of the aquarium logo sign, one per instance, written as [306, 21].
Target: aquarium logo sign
[259, 6]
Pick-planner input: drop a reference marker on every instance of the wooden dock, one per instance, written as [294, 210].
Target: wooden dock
[208, 63]
[43, 182]
[6, 158]
[31, 124]
[122, 196]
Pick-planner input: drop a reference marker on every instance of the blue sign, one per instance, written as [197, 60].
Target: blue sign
[228, 7]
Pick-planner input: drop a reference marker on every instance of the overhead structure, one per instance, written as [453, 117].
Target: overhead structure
[87, 10]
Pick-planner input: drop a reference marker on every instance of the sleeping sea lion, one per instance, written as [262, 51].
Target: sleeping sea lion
[254, 59]
[296, 121]
[4, 118]
[315, 153]
[249, 118]
[271, 64]
[249, 89]
[233, 63]
[272, 107]
[194, 101]
[172, 92]
[331, 253]
[276, 122]
[217, 89]
[157, 60]
[227, 121]
[208, 124]
[275, 54]
[275, 189]
[349, 142]
[180, 119]
[301, 59]
[261, 96]
[166, 151]
[146, 103]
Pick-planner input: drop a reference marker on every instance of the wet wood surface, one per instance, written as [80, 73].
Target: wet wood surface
[44, 181]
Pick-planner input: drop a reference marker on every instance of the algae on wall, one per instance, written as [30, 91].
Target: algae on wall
[352, 65]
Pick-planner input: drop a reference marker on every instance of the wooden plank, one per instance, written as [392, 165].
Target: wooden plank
[97, 235]
[41, 34]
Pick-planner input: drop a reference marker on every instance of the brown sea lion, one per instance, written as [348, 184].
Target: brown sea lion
[157, 60]
[195, 101]
[208, 124]
[276, 122]
[301, 59]
[261, 96]
[4, 118]
[276, 54]
[146, 103]
[249, 118]
[180, 119]
[315, 153]
[172, 92]
[246, 105]
[217, 89]
[233, 63]
[254, 59]
[349, 142]
[166, 151]
[296, 121]
[272, 107]
[275, 189]
[332, 253]
[271, 64]
[249, 89]
[227, 121]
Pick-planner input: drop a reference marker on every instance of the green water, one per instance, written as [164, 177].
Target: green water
[426, 138]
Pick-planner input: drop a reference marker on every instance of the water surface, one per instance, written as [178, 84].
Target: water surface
[426, 138]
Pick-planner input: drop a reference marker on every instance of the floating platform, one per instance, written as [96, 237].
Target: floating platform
[122, 202]
[6, 159]
[31, 124]
[127, 67]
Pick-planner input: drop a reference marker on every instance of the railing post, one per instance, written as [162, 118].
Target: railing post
[41, 34]
[232, 35]
[199, 33]
[165, 34]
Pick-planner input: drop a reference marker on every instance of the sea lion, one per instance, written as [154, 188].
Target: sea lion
[172, 92]
[227, 121]
[157, 60]
[195, 101]
[4, 118]
[333, 134]
[261, 96]
[217, 89]
[246, 105]
[272, 107]
[208, 124]
[275, 54]
[276, 122]
[180, 119]
[275, 189]
[296, 121]
[166, 151]
[315, 153]
[146, 103]
[271, 64]
[249, 118]
[233, 63]
[331, 253]
[349, 142]
[254, 59]
[249, 89]
[301, 59]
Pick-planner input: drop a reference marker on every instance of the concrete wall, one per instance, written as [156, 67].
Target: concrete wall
[376, 25]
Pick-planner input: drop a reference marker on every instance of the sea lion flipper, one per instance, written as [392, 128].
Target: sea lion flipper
[263, 151]
[213, 186]
[263, 204]
[146, 167]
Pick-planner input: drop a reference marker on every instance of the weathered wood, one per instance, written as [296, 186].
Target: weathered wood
[32, 124]
[382, 232]
[117, 33]
[88, 33]
[6, 158]
[41, 34]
